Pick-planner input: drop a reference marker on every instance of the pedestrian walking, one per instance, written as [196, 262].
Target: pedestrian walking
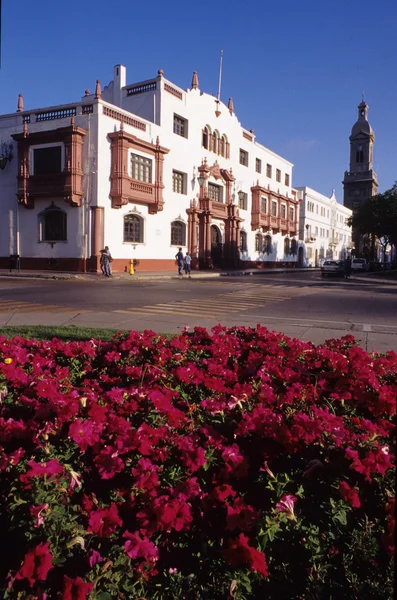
[348, 267]
[179, 260]
[110, 260]
[187, 264]
[105, 263]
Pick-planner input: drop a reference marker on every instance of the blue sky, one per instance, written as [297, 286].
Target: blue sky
[295, 70]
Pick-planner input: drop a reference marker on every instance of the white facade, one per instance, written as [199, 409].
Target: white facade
[245, 210]
[323, 227]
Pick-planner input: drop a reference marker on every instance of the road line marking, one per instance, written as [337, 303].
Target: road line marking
[151, 312]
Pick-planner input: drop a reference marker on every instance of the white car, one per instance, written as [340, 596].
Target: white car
[333, 267]
[360, 264]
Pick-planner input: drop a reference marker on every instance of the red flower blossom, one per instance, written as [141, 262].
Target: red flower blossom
[104, 521]
[139, 547]
[36, 564]
[239, 554]
[76, 589]
[48, 469]
[349, 494]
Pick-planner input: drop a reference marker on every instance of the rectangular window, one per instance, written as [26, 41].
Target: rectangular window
[310, 206]
[180, 126]
[141, 168]
[309, 252]
[274, 208]
[258, 165]
[243, 158]
[269, 171]
[179, 182]
[278, 175]
[215, 192]
[47, 161]
[291, 213]
[263, 205]
[243, 200]
[316, 230]
[283, 211]
[287, 179]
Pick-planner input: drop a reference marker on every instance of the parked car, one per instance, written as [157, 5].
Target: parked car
[333, 267]
[360, 264]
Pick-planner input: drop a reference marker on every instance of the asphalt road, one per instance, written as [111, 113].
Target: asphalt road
[303, 305]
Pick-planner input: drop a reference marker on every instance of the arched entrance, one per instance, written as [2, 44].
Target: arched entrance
[216, 246]
[300, 257]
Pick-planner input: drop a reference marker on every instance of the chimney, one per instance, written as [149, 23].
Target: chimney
[120, 81]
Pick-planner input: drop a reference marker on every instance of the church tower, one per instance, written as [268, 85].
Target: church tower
[360, 182]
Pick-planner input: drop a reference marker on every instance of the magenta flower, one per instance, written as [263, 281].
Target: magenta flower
[36, 564]
[76, 589]
[139, 547]
[104, 521]
[286, 505]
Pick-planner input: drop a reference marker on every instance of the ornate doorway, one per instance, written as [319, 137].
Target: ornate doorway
[216, 246]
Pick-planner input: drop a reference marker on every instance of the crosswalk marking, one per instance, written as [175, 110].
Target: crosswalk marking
[222, 304]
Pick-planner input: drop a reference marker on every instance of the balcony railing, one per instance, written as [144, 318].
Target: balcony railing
[47, 184]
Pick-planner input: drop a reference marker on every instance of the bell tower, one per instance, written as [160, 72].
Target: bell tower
[360, 181]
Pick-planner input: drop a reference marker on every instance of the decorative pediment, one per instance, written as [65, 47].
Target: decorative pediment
[215, 171]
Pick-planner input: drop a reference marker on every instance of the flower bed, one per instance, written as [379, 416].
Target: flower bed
[237, 464]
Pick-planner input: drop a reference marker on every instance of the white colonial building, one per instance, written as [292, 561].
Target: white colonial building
[323, 227]
[142, 168]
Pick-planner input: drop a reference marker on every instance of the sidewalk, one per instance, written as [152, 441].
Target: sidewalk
[139, 276]
[148, 275]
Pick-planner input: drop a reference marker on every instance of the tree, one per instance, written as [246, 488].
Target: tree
[378, 217]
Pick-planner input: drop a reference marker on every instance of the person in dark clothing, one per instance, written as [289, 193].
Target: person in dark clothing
[348, 267]
[179, 260]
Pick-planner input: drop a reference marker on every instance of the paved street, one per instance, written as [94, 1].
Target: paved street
[300, 304]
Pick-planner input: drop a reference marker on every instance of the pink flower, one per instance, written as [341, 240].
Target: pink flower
[84, 433]
[94, 558]
[48, 469]
[349, 494]
[286, 505]
[76, 589]
[36, 512]
[139, 547]
[104, 521]
[36, 564]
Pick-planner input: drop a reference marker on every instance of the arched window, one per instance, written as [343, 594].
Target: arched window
[133, 229]
[286, 246]
[206, 137]
[223, 145]
[359, 154]
[243, 241]
[178, 233]
[258, 242]
[294, 247]
[268, 244]
[214, 142]
[53, 225]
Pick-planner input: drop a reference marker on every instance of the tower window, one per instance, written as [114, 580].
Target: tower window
[359, 154]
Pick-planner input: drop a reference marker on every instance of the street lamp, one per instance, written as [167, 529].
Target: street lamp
[201, 180]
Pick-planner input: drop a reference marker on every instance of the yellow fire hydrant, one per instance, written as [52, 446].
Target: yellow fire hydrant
[132, 272]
